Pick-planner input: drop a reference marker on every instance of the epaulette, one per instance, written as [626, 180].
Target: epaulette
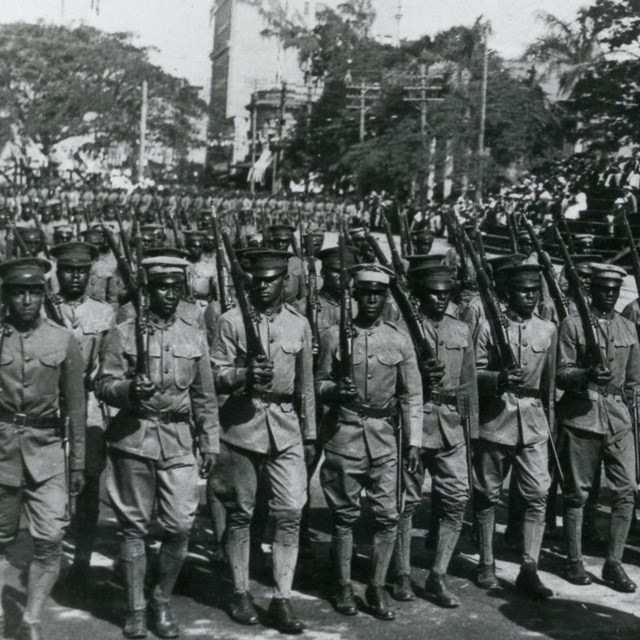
[293, 310]
[392, 324]
[98, 300]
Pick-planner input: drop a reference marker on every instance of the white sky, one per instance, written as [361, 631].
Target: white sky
[181, 30]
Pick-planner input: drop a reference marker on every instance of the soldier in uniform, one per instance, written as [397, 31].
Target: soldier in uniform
[62, 233]
[596, 423]
[422, 240]
[514, 429]
[103, 275]
[263, 433]
[41, 379]
[329, 293]
[151, 439]
[34, 240]
[89, 319]
[451, 393]
[201, 273]
[359, 433]
[281, 238]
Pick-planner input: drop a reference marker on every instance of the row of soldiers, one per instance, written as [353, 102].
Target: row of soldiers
[254, 396]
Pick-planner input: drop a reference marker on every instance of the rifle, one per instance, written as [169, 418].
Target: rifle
[254, 345]
[240, 238]
[174, 223]
[633, 248]
[51, 304]
[636, 434]
[124, 238]
[141, 303]
[466, 431]
[559, 300]
[123, 265]
[513, 232]
[38, 223]
[346, 331]
[224, 287]
[561, 221]
[396, 260]
[454, 230]
[264, 223]
[313, 305]
[481, 250]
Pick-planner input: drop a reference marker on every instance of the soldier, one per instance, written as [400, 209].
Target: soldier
[281, 238]
[358, 237]
[596, 423]
[359, 433]
[201, 273]
[103, 275]
[329, 293]
[153, 235]
[514, 430]
[422, 240]
[62, 233]
[33, 239]
[41, 379]
[452, 392]
[263, 434]
[152, 437]
[88, 319]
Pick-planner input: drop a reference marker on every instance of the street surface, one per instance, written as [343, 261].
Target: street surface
[585, 613]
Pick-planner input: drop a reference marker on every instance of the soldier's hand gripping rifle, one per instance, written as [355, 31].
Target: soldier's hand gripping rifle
[224, 285]
[559, 299]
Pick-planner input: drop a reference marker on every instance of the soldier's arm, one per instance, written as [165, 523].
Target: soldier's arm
[326, 385]
[632, 376]
[410, 396]
[469, 386]
[210, 319]
[229, 378]
[487, 379]
[72, 390]
[114, 382]
[304, 386]
[204, 404]
[569, 376]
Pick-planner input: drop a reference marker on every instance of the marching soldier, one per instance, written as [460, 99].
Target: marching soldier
[329, 293]
[103, 275]
[281, 239]
[41, 379]
[89, 319]
[151, 439]
[597, 425]
[359, 433]
[422, 240]
[262, 431]
[452, 392]
[514, 429]
[201, 273]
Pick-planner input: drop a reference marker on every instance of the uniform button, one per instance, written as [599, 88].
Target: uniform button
[272, 340]
[441, 342]
[369, 377]
[611, 359]
[525, 344]
[524, 362]
[271, 319]
[26, 384]
[166, 348]
[75, 325]
[27, 359]
[166, 370]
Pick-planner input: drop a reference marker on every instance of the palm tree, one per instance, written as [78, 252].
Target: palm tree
[567, 50]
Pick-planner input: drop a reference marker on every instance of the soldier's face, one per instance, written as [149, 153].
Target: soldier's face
[605, 294]
[34, 246]
[195, 248]
[331, 279]
[371, 297]
[164, 296]
[423, 245]
[62, 236]
[267, 291]
[23, 302]
[523, 297]
[73, 280]
[317, 241]
[281, 242]
[434, 301]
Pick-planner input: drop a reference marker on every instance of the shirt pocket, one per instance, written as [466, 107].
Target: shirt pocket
[184, 359]
[53, 359]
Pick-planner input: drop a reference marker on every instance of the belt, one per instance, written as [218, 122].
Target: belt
[442, 396]
[26, 420]
[273, 398]
[610, 390]
[523, 392]
[366, 411]
[165, 417]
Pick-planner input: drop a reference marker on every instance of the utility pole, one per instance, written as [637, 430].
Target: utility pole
[275, 183]
[143, 130]
[359, 101]
[363, 110]
[483, 112]
[254, 139]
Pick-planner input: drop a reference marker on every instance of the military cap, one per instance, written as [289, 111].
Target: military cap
[52, 202]
[497, 263]
[95, 236]
[158, 252]
[356, 230]
[521, 273]
[371, 273]
[77, 254]
[30, 233]
[330, 257]
[422, 231]
[434, 276]
[603, 271]
[22, 271]
[582, 261]
[195, 233]
[417, 262]
[265, 262]
[583, 238]
[165, 266]
[281, 229]
[63, 227]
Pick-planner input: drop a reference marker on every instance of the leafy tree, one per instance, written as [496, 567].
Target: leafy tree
[52, 76]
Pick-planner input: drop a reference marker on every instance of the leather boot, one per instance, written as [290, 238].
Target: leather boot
[383, 544]
[134, 564]
[43, 574]
[486, 576]
[4, 565]
[436, 589]
[616, 577]
[29, 631]
[486, 570]
[241, 608]
[575, 573]
[377, 602]
[573, 533]
[285, 557]
[238, 550]
[618, 533]
[528, 583]
[345, 601]
[342, 553]
[447, 541]
[281, 616]
[402, 590]
[532, 534]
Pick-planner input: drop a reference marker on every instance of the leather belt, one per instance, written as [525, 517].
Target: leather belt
[610, 390]
[165, 417]
[442, 396]
[273, 398]
[366, 411]
[523, 392]
[26, 420]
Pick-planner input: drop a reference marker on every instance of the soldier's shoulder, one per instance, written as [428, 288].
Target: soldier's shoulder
[628, 324]
[54, 329]
[457, 327]
[292, 310]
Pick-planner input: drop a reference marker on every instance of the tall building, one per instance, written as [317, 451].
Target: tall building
[245, 60]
